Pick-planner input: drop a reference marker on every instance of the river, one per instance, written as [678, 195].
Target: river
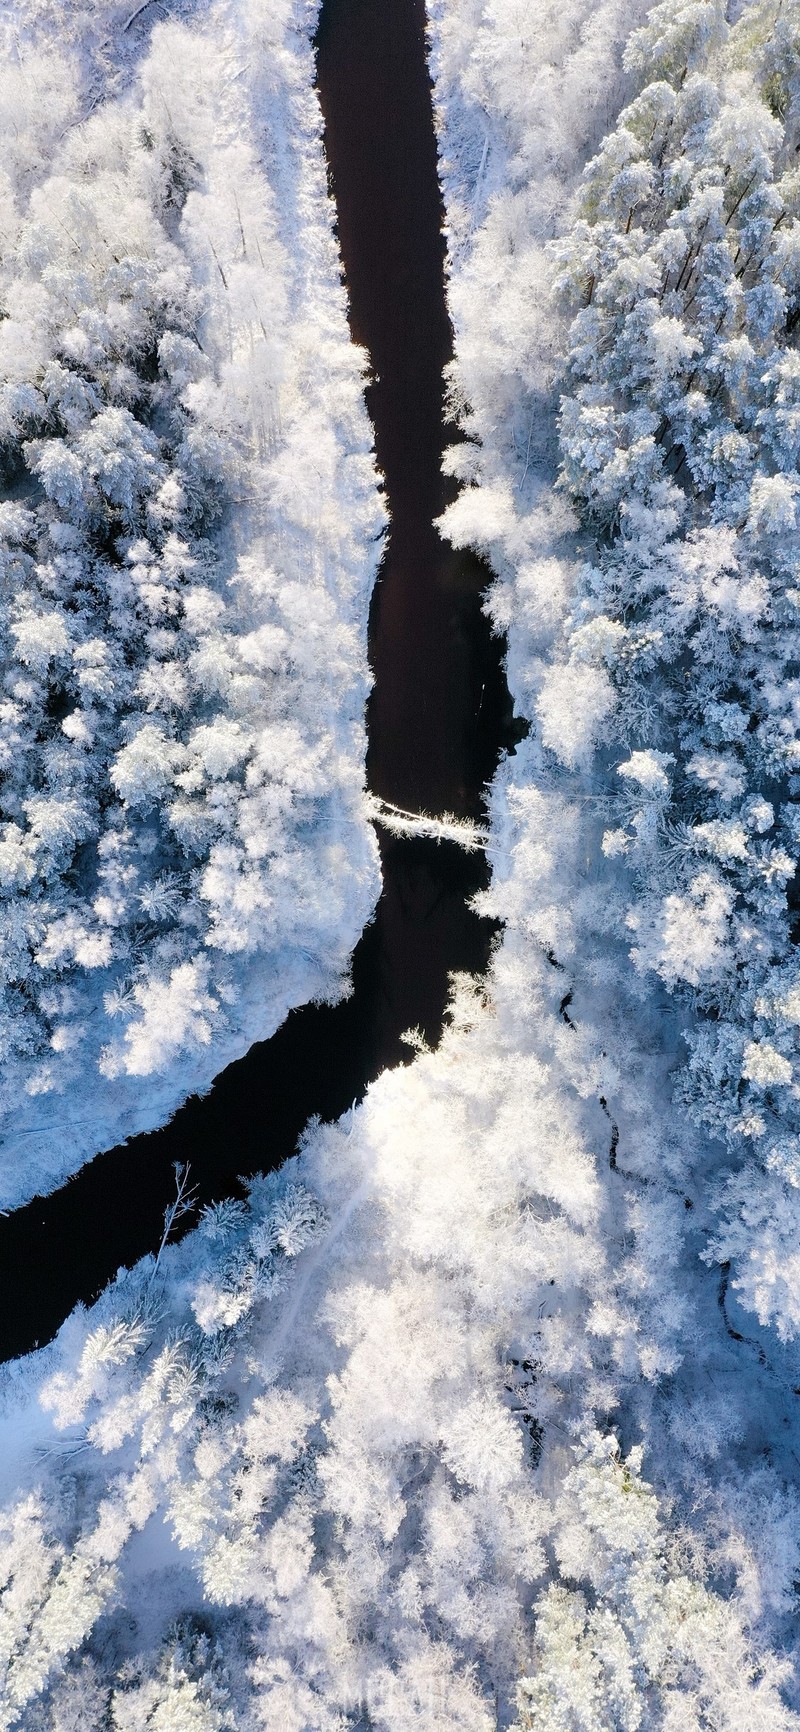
[438, 716]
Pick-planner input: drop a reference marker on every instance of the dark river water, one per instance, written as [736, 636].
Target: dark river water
[438, 716]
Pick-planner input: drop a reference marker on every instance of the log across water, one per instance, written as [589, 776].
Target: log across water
[438, 716]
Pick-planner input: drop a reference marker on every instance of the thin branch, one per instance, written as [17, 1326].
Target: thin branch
[185, 1201]
[136, 14]
[527, 457]
[218, 265]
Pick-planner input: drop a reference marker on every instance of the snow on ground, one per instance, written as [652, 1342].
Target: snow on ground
[190, 539]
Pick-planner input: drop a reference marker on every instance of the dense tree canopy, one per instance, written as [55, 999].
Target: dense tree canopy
[680, 435]
[187, 535]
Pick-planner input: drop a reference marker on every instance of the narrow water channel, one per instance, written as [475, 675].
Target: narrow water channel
[438, 717]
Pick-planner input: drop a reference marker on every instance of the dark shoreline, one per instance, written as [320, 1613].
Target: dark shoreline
[438, 717]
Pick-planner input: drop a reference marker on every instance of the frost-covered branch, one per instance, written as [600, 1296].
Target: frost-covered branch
[183, 1202]
[448, 828]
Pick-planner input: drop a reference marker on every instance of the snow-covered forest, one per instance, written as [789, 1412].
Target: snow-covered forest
[483, 1411]
[190, 529]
